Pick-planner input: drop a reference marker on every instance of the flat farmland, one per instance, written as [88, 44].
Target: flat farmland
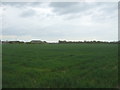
[59, 65]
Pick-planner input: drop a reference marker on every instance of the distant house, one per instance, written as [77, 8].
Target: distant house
[37, 41]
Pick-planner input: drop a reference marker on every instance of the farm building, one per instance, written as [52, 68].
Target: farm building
[37, 41]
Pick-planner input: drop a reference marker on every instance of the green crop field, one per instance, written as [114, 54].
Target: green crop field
[60, 65]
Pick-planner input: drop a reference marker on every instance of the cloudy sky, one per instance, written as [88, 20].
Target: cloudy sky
[53, 21]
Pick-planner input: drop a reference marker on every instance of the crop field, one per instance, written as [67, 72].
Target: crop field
[60, 65]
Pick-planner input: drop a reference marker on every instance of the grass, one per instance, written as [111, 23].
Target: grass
[59, 65]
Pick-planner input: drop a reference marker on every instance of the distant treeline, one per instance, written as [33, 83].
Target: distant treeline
[87, 42]
[59, 42]
[20, 42]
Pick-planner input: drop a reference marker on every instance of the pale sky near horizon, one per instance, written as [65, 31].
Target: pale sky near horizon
[53, 21]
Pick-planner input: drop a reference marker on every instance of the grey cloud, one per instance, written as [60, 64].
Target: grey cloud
[61, 28]
[13, 31]
[28, 13]
[15, 4]
[109, 11]
[109, 7]
[36, 4]
[63, 4]
[21, 4]
[63, 8]
[119, 5]
[38, 32]
[98, 11]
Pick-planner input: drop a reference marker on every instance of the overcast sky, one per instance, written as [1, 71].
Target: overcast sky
[53, 21]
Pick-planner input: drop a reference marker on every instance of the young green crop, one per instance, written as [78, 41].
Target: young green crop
[60, 65]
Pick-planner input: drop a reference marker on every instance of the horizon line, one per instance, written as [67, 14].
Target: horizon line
[62, 40]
